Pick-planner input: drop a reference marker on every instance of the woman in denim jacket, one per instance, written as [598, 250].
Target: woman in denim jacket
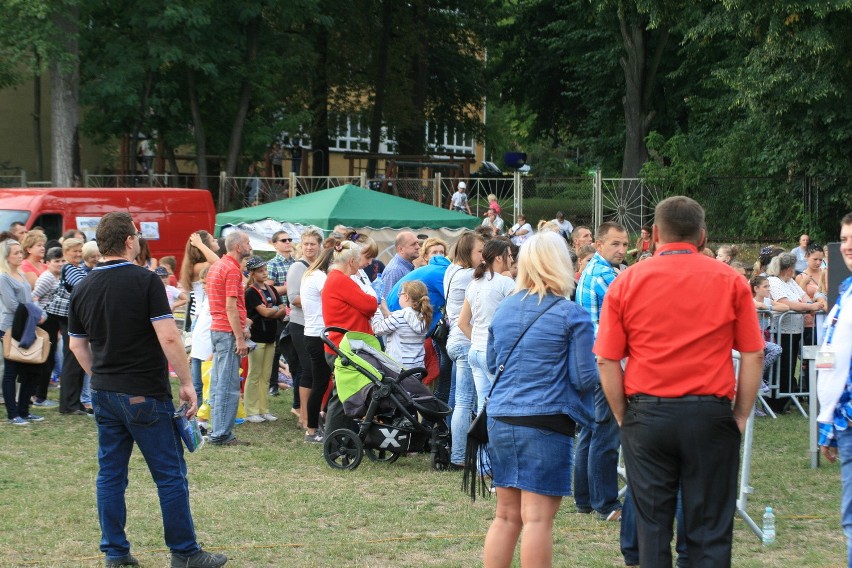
[544, 391]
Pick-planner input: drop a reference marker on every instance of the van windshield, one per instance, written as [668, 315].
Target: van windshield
[9, 216]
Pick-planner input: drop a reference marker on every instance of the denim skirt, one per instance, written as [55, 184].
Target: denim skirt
[530, 459]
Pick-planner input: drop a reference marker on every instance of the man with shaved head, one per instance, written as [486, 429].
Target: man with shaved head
[407, 249]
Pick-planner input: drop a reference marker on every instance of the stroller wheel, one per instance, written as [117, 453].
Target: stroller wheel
[382, 456]
[343, 449]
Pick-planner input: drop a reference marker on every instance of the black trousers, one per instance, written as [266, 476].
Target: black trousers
[297, 337]
[51, 326]
[321, 373]
[694, 444]
[71, 381]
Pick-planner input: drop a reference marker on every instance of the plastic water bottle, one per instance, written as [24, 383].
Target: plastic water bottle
[378, 286]
[768, 527]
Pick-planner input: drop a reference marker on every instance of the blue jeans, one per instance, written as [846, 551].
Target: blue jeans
[596, 461]
[123, 419]
[844, 445]
[225, 386]
[465, 399]
[86, 391]
[197, 383]
[482, 380]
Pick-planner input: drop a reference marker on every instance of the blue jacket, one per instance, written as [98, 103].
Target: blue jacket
[552, 370]
[432, 275]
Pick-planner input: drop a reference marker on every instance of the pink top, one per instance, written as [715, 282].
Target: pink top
[28, 266]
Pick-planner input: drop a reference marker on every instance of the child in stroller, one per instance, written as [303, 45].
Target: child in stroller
[393, 411]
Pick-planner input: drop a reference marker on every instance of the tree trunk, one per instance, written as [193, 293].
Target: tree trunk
[412, 138]
[252, 32]
[39, 154]
[380, 85]
[319, 126]
[639, 82]
[198, 129]
[64, 102]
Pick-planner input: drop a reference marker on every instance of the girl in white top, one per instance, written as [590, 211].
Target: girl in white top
[488, 288]
[405, 330]
[467, 254]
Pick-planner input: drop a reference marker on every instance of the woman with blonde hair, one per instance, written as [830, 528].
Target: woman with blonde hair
[316, 374]
[33, 265]
[14, 291]
[431, 247]
[545, 390]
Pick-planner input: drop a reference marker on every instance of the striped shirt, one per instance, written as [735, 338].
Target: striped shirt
[593, 284]
[404, 331]
[225, 280]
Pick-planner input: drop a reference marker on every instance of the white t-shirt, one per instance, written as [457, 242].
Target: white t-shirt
[172, 294]
[521, 239]
[459, 200]
[832, 381]
[565, 227]
[202, 345]
[484, 295]
[456, 280]
[311, 295]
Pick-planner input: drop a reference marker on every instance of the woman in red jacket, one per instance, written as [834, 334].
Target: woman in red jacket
[344, 304]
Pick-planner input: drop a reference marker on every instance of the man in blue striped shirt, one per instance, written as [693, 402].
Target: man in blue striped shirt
[596, 460]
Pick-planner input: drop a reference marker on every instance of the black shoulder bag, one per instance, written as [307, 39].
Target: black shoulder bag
[477, 434]
[442, 329]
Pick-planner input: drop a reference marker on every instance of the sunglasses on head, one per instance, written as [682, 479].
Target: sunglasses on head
[285, 240]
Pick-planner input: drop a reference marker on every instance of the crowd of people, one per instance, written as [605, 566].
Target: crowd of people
[528, 311]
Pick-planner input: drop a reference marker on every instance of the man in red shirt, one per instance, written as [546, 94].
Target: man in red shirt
[676, 317]
[228, 332]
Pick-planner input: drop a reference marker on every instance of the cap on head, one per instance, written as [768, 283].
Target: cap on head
[254, 263]
[462, 185]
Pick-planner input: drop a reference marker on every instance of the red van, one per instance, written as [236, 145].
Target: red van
[166, 216]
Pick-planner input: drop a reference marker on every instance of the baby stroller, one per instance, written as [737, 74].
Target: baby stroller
[384, 400]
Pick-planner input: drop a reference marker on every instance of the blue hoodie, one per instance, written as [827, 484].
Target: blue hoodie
[432, 275]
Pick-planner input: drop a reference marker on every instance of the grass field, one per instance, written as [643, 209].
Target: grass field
[276, 503]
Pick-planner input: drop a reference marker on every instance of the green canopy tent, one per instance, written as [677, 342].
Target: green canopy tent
[347, 205]
[352, 206]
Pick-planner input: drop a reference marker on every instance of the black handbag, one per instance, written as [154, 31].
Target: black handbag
[441, 333]
[477, 434]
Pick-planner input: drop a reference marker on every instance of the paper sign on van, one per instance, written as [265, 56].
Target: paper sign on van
[88, 225]
[150, 230]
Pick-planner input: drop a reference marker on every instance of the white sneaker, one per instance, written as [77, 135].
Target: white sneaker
[255, 418]
[269, 417]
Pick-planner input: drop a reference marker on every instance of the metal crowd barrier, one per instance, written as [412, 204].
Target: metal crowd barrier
[788, 387]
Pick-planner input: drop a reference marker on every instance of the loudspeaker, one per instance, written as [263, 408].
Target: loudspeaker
[514, 160]
[837, 272]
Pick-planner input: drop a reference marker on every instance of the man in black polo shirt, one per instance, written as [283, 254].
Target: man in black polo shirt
[123, 333]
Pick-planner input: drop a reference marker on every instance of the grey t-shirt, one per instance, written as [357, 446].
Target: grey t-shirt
[294, 282]
[12, 293]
